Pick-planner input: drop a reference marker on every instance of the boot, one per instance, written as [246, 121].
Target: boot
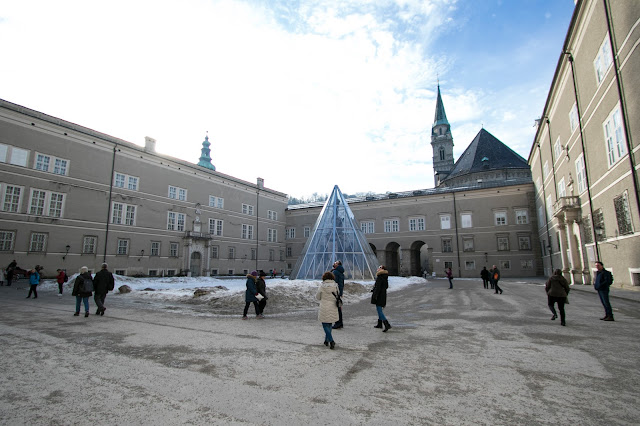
[86, 314]
[387, 326]
[379, 324]
[76, 314]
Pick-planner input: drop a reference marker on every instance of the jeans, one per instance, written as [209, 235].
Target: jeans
[327, 331]
[450, 282]
[86, 303]
[246, 308]
[99, 299]
[561, 301]
[33, 289]
[381, 316]
[604, 298]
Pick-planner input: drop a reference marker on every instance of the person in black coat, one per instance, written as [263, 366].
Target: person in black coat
[103, 282]
[79, 293]
[379, 296]
[338, 273]
[484, 274]
[261, 286]
[250, 294]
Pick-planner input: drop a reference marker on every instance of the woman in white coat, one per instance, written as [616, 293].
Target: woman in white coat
[328, 312]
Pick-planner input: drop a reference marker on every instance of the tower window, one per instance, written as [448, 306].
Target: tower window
[441, 153]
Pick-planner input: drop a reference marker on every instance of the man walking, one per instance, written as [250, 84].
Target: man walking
[495, 277]
[338, 273]
[102, 283]
[484, 274]
[603, 281]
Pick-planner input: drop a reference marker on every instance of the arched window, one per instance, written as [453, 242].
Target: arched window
[441, 153]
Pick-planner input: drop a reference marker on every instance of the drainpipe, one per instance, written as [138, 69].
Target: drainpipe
[455, 221]
[584, 152]
[623, 104]
[106, 234]
[544, 202]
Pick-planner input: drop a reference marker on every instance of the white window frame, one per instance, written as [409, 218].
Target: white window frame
[19, 157]
[175, 221]
[603, 60]
[125, 214]
[215, 252]
[50, 204]
[125, 181]
[581, 174]
[122, 247]
[155, 248]
[7, 240]
[247, 209]
[470, 265]
[524, 243]
[391, 225]
[614, 138]
[445, 221]
[272, 235]
[500, 218]
[174, 249]
[545, 169]
[289, 233]
[526, 264]
[416, 223]
[216, 202]
[272, 215]
[468, 244]
[11, 202]
[562, 188]
[557, 149]
[231, 253]
[573, 118]
[522, 216]
[447, 243]
[368, 227]
[505, 243]
[216, 227]
[466, 220]
[177, 193]
[307, 231]
[247, 232]
[38, 242]
[89, 244]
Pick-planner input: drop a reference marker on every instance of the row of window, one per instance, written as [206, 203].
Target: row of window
[41, 202]
[503, 265]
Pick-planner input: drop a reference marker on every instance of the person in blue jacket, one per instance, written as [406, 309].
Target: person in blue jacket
[34, 280]
[250, 294]
[338, 273]
[603, 281]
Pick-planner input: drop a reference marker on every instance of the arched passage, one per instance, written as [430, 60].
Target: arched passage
[416, 262]
[392, 258]
[373, 248]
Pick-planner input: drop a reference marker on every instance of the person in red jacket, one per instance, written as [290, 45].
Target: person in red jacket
[61, 278]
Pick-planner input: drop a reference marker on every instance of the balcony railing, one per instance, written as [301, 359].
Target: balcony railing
[567, 203]
[203, 235]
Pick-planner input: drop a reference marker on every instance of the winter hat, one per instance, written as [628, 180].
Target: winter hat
[254, 273]
[263, 273]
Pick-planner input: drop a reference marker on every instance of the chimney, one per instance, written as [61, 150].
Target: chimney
[260, 183]
[149, 144]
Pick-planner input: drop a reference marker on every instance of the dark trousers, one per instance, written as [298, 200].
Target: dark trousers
[492, 283]
[604, 298]
[261, 305]
[246, 308]
[450, 282]
[495, 285]
[485, 283]
[339, 316]
[560, 301]
[32, 289]
[60, 287]
[99, 299]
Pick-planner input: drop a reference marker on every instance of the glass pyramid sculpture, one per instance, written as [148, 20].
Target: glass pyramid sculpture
[336, 236]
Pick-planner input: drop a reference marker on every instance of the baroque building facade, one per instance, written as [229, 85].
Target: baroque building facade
[71, 196]
[584, 157]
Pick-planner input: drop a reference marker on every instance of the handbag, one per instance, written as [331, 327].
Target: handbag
[259, 297]
[338, 299]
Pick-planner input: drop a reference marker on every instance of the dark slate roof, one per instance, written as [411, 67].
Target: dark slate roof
[441, 116]
[485, 145]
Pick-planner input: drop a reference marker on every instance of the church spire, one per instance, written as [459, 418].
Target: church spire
[441, 142]
[441, 116]
[205, 156]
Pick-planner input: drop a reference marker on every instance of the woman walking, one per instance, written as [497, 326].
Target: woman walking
[557, 289]
[379, 296]
[261, 286]
[34, 280]
[79, 291]
[328, 294]
[250, 295]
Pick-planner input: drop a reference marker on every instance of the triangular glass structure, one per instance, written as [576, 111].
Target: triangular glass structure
[336, 236]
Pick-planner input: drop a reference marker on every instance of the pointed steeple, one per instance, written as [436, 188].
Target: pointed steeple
[205, 156]
[336, 236]
[441, 116]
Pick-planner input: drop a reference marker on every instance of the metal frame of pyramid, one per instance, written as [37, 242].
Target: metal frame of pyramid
[336, 236]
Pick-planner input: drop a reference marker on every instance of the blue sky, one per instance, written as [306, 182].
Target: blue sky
[305, 94]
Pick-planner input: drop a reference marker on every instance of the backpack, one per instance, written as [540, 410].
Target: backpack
[86, 286]
[66, 277]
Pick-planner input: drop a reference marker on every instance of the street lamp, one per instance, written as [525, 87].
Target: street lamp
[67, 252]
[141, 254]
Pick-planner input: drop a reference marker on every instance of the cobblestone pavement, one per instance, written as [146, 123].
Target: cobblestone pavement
[453, 357]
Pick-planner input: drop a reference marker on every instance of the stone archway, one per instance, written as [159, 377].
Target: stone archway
[416, 261]
[375, 251]
[195, 264]
[392, 258]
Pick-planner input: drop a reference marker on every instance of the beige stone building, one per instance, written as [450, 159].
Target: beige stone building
[71, 196]
[584, 158]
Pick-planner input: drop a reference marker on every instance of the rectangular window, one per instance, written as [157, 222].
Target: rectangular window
[272, 235]
[505, 264]
[281, 255]
[153, 272]
[155, 248]
[116, 213]
[588, 230]
[448, 265]
[526, 264]
[60, 166]
[272, 215]
[416, 224]
[247, 232]
[468, 244]
[562, 189]
[118, 180]
[215, 227]
[446, 245]
[522, 217]
[121, 180]
[232, 253]
[3, 153]
[603, 60]
[391, 225]
[38, 242]
[445, 221]
[289, 251]
[557, 149]
[367, 227]
[598, 225]
[175, 221]
[173, 192]
[581, 174]
[40, 199]
[36, 205]
[123, 247]
[549, 207]
[55, 204]
[503, 243]
[247, 209]
[500, 218]
[216, 202]
[614, 137]
[42, 162]
[271, 255]
[524, 243]
[215, 252]
[182, 194]
[130, 215]
[290, 233]
[133, 183]
[172, 272]
[573, 118]
[545, 169]
[173, 249]
[623, 215]
[470, 265]
[89, 244]
[122, 272]
[465, 219]
[12, 195]
[19, 157]
[307, 231]
[253, 254]
[6, 240]
[123, 214]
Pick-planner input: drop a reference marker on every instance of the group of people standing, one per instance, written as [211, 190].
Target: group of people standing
[85, 286]
[491, 278]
